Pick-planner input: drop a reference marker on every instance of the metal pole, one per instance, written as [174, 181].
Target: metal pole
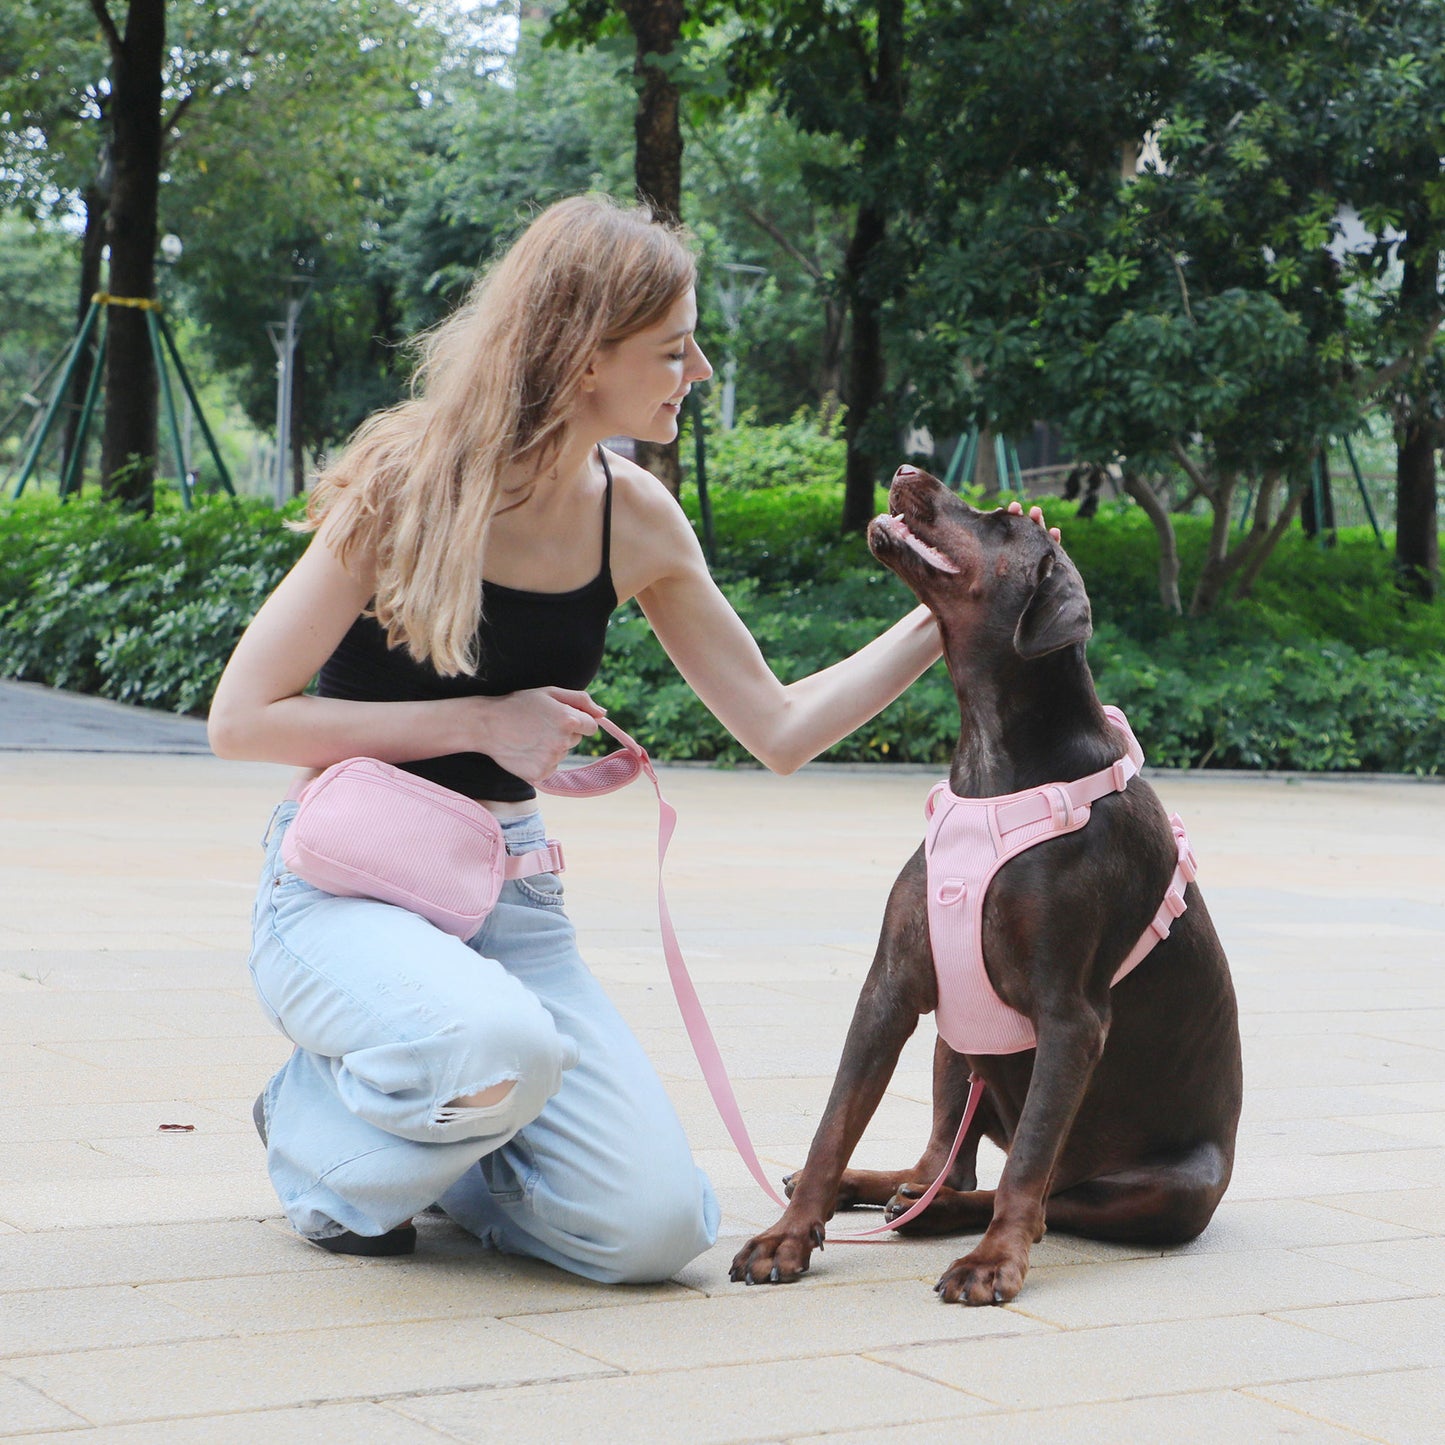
[285, 348]
[71, 480]
[169, 401]
[53, 407]
[195, 404]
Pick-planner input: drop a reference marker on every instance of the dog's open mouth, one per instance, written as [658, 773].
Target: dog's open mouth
[896, 528]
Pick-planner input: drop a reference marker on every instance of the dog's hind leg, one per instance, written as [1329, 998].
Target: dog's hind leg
[1167, 1201]
[950, 1097]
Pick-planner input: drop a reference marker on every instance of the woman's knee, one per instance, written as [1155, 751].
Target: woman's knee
[659, 1231]
[479, 1080]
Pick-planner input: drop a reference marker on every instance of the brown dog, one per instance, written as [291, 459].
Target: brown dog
[1120, 1123]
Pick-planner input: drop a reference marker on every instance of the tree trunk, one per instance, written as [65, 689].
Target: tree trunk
[1417, 526]
[96, 198]
[656, 27]
[1158, 514]
[1319, 521]
[1210, 586]
[128, 449]
[865, 374]
[861, 283]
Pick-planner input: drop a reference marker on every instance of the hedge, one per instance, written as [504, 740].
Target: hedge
[1328, 667]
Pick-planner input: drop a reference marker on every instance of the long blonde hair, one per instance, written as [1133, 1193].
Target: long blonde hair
[496, 386]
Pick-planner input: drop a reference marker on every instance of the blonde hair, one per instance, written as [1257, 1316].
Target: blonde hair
[496, 386]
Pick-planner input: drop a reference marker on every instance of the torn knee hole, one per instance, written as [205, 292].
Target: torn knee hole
[488, 1098]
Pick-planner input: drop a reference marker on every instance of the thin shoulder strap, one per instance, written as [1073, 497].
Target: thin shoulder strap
[606, 513]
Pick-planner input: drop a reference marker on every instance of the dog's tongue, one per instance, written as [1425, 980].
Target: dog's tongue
[898, 528]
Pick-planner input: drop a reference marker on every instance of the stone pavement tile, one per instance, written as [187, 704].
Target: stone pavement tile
[146, 1199]
[163, 1082]
[218, 1376]
[1320, 1175]
[1207, 1418]
[1126, 1361]
[1352, 1060]
[1263, 1138]
[47, 1086]
[1401, 1407]
[1382, 1023]
[59, 1161]
[1180, 1287]
[1413, 1208]
[1420, 1127]
[52, 1016]
[201, 1150]
[365, 1424]
[1418, 1264]
[1250, 1224]
[54, 1321]
[465, 1284]
[108, 1120]
[1413, 1328]
[771, 1323]
[1313, 1101]
[267, 1051]
[138, 1254]
[25, 1408]
[733, 1403]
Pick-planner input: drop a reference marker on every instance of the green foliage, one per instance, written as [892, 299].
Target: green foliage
[1328, 666]
[144, 610]
[797, 453]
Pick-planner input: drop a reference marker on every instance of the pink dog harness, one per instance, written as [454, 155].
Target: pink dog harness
[968, 841]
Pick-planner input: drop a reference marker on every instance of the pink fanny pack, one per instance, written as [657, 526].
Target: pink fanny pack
[366, 829]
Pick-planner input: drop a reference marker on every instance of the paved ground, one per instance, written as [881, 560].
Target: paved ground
[149, 1294]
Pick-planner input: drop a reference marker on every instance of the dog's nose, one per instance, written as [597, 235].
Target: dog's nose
[905, 472]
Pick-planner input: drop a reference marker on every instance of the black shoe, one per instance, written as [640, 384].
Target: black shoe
[401, 1240]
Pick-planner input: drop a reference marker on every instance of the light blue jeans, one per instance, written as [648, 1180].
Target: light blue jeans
[584, 1163]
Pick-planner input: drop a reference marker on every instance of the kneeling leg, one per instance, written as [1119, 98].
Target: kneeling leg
[1162, 1202]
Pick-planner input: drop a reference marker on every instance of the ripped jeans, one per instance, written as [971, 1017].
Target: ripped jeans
[583, 1163]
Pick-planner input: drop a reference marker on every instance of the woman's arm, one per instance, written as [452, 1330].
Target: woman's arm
[260, 712]
[782, 726]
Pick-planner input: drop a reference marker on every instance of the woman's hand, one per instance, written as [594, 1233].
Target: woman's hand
[1036, 515]
[529, 733]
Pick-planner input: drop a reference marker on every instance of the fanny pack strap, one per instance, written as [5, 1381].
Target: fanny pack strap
[616, 770]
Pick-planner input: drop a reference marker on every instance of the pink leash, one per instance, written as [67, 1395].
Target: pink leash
[616, 770]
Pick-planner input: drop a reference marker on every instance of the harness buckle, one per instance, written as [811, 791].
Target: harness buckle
[1119, 774]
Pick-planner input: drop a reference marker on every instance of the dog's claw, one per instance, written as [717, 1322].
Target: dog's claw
[775, 1277]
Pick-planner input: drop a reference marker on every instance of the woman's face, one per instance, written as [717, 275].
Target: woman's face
[635, 387]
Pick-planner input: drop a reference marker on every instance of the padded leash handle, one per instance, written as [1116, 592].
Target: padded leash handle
[616, 770]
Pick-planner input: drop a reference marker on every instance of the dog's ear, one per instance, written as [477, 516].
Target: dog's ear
[1057, 613]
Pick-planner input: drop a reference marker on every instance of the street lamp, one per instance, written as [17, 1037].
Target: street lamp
[739, 285]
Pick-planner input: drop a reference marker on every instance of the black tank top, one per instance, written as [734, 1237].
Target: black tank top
[526, 639]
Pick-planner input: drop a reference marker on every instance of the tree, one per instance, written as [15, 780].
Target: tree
[1189, 322]
[142, 100]
[842, 71]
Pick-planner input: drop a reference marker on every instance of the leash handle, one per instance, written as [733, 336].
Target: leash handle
[616, 770]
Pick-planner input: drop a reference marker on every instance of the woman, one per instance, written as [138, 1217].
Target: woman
[453, 602]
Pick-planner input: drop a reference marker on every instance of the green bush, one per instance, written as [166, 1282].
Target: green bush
[799, 453]
[1328, 666]
[144, 610]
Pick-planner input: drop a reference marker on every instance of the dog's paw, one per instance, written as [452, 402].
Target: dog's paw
[984, 1277]
[778, 1257]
